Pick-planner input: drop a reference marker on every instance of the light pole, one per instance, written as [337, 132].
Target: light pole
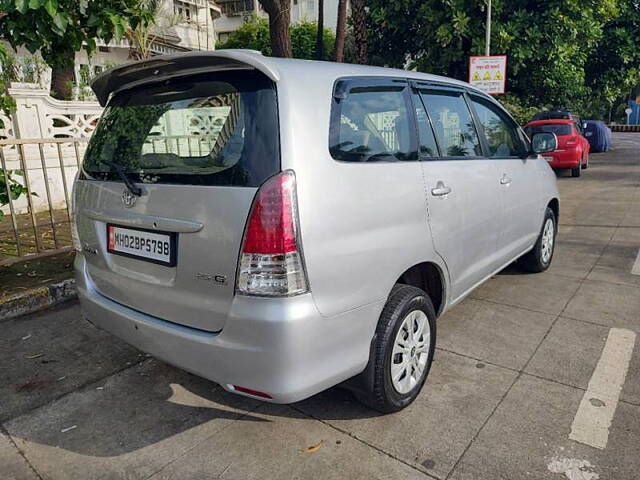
[487, 41]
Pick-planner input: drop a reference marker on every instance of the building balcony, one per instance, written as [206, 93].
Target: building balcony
[232, 8]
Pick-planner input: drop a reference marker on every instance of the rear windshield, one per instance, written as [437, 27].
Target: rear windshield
[558, 129]
[214, 129]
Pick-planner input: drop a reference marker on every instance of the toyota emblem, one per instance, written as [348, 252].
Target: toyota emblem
[128, 199]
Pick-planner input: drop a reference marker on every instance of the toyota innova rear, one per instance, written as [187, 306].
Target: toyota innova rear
[281, 226]
[187, 228]
[198, 148]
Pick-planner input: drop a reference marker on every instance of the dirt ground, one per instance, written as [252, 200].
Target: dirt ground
[23, 276]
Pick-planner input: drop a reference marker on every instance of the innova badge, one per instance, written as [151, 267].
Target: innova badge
[128, 199]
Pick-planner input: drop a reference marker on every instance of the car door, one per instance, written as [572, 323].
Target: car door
[461, 186]
[518, 175]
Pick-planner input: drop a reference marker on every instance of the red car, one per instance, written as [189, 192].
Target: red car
[573, 148]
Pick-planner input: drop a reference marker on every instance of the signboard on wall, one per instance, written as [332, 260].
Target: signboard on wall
[488, 74]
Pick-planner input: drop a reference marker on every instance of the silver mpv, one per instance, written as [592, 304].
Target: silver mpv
[282, 226]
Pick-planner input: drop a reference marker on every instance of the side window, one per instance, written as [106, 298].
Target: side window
[452, 122]
[426, 139]
[578, 127]
[500, 131]
[370, 122]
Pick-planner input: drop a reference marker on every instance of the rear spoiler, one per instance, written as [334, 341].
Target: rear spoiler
[164, 67]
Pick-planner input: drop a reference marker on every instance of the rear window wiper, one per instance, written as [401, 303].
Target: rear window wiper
[135, 190]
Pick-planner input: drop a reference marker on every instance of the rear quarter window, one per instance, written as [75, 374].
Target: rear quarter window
[371, 121]
[559, 129]
[214, 129]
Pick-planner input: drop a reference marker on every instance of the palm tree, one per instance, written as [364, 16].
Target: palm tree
[320, 35]
[340, 30]
[144, 35]
[359, 17]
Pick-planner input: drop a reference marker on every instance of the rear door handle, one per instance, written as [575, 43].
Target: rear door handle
[505, 180]
[440, 190]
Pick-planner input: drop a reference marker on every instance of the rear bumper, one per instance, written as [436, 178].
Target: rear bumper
[566, 159]
[282, 347]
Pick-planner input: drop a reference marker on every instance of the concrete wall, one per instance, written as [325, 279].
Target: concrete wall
[40, 116]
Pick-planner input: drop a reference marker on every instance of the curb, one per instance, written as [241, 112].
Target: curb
[625, 128]
[37, 299]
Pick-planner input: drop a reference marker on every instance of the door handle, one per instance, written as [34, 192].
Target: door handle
[440, 190]
[505, 180]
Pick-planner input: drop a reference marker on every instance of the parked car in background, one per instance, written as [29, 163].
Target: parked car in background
[573, 148]
[598, 135]
[280, 236]
[558, 114]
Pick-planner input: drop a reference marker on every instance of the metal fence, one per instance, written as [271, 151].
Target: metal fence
[37, 222]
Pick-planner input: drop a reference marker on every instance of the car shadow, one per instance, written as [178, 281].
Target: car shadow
[513, 269]
[155, 403]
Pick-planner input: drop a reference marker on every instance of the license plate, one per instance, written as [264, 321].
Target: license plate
[147, 245]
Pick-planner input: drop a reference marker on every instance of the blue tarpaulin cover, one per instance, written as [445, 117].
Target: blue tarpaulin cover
[599, 135]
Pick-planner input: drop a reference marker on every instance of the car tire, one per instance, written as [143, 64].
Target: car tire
[576, 172]
[539, 257]
[397, 369]
[585, 165]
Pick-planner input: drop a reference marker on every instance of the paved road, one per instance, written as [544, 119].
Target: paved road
[523, 364]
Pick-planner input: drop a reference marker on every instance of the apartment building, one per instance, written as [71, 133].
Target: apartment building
[237, 12]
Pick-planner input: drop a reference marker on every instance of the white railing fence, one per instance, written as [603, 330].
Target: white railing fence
[41, 147]
[38, 221]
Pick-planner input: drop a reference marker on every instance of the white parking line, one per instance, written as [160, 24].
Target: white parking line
[598, 406]
[635, 270]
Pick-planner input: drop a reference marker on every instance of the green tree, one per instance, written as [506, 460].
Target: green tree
[254, 35]
[7, 103]
[8, 184]
[59, 28]
[614, 67]
[552, 45]
[549, 50]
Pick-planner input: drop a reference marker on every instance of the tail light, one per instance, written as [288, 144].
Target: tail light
[572, 141]
[271, 262]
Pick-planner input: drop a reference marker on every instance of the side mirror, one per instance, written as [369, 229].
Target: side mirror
[544, 142]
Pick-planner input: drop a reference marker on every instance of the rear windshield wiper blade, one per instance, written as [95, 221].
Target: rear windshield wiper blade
[135, 190]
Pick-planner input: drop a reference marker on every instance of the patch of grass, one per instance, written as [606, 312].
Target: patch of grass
[29, 274]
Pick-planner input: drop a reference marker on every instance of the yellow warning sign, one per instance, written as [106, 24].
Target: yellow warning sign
[488, 73]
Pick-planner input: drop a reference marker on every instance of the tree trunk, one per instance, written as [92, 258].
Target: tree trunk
[320, 35]
[359, 17]
[340, 30]
[279, 19]
[62, 79]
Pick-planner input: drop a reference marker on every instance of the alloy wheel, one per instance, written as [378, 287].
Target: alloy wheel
[410, 352]
[548, 237]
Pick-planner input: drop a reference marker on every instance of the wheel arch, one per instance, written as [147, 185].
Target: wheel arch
[430, 277]
[554, 205]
